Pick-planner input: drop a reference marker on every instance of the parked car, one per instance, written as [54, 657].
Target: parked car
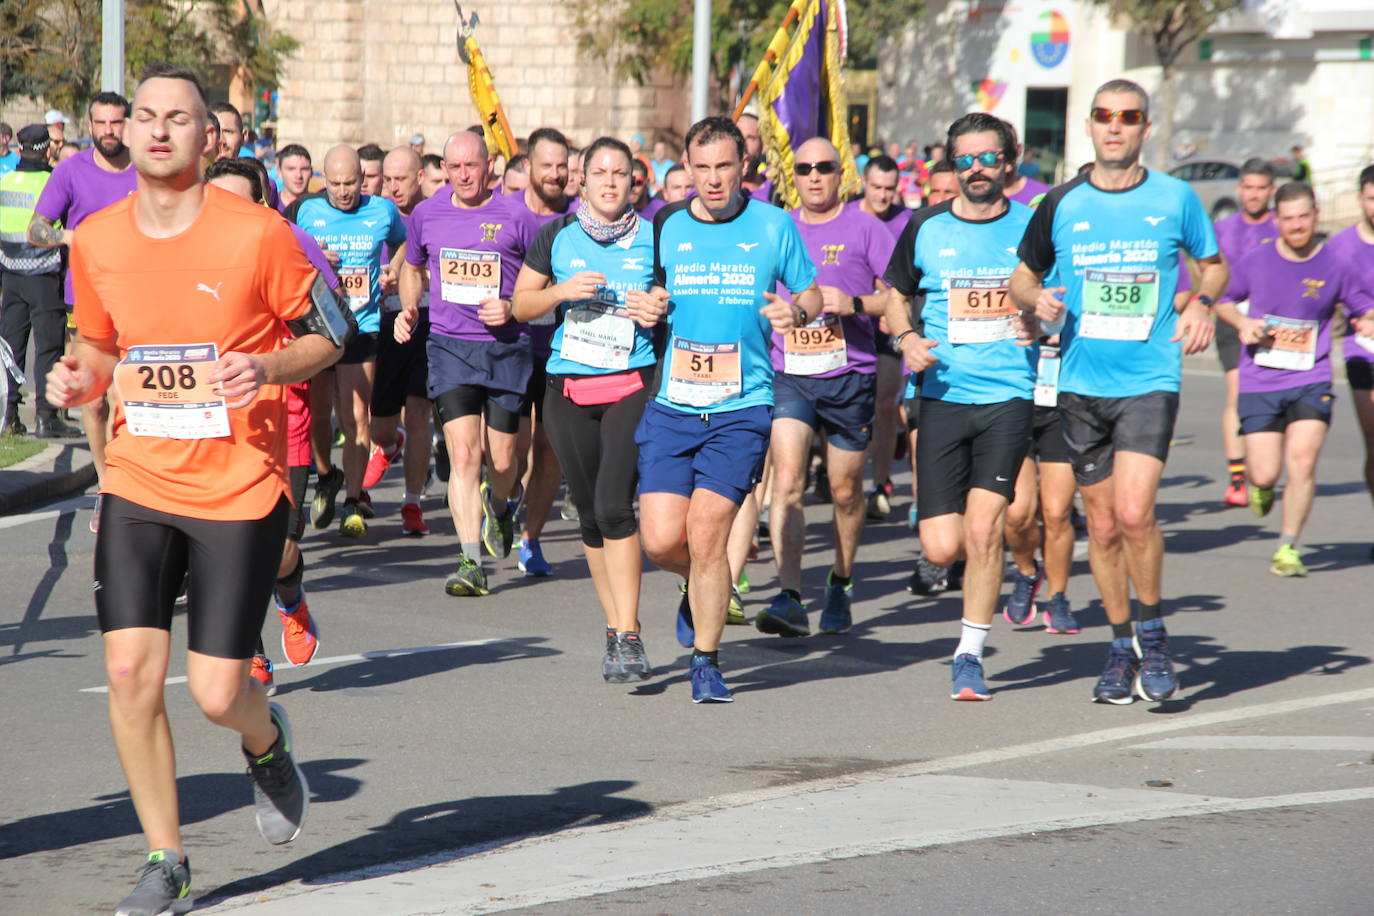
[1215, 181]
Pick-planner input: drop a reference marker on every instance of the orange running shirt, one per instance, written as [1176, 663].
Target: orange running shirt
[230, 279]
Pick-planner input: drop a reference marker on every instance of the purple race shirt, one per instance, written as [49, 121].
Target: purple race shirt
[850, 252]
[1300, 297]
[314, 255]
[1237, 236]
[896, 219]
[1360, 255]
[653, 206]
[1030, 192]
[449, 240]
[541, 333]
[78, 188]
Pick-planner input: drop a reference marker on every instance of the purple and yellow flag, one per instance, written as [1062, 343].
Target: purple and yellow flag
[802, 94]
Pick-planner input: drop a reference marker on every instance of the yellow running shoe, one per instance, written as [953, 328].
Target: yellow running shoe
[1261, 500]
[1286, 562]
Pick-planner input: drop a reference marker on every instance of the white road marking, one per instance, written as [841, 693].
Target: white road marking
[890, 816]
[1261, 743]
[340, 659]
[898, 808]
[53, 511]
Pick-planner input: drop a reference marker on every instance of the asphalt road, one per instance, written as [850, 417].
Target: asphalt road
[465, 756]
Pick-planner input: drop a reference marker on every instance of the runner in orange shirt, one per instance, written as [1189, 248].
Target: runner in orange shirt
[180, 292]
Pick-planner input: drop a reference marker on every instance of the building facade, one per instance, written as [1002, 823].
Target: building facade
[380, 71]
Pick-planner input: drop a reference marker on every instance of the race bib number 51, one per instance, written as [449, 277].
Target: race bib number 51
[166, 392]
[703, 374]
[1293, 344]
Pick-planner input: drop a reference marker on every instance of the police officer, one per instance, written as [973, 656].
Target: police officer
[32, 299]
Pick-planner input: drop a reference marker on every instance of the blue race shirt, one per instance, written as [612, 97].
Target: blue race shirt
[961, 268]
[596, 336]
[357, 237]
[8, 162]
[716, 357]
[1117, 254]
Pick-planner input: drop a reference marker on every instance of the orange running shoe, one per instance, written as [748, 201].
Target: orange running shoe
[299, 638]
[262, 673]
[1235, 493]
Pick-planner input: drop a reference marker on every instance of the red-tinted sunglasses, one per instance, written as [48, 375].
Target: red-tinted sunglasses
[1131, 117]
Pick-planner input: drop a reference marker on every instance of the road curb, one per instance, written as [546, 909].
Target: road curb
[59, 469]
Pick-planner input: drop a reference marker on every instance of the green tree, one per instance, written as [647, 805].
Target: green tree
[636, 37]
[1171, 26]
[51, 48]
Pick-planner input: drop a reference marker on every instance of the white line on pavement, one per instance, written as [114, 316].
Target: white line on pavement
[892, 816]
[340, 659]
[660, 847]
[53, 511]
[1261, 743]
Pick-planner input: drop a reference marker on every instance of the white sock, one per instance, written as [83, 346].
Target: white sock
[411, 498]
[972, 636]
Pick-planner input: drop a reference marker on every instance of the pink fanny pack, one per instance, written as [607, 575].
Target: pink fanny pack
[601, 389]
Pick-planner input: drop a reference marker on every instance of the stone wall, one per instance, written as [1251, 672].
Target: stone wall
[380, 71]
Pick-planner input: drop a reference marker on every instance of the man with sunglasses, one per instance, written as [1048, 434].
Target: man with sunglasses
[978, 372]
[824, 380]
[1113, 236]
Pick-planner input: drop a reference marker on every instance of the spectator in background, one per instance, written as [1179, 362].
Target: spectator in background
[860, 157]
[8, 158]
[372, 155]
[518, 174]
[68, 150]
[434, 177]
[294, 170]
[574, 172]
[1302, 168]
[639, 185]
[231, 135]
[660, 164]
[676, 184]
[944, 183]
[57, 132]
[417, 143]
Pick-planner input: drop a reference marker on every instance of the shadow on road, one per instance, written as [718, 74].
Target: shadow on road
[202, 797]
[448, 831]
[395, 669]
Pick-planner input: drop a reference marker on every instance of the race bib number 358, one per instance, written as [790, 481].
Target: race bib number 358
[166, 392]
[1119, 304]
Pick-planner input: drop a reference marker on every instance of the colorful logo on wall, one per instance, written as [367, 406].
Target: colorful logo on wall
[1049, 41]
[988, 93]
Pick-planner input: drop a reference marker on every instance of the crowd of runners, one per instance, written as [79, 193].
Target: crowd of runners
[686, 365]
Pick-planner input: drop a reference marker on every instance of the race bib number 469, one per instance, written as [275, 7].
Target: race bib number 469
[166, 392]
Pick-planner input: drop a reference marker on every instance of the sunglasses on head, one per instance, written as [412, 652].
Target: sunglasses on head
[1131, 117]
[639, 182]
[986, 160]
[828, 167]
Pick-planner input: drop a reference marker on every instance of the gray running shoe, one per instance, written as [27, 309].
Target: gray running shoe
[612, 671]
[632, 658]
[164, 886]
[279, 787]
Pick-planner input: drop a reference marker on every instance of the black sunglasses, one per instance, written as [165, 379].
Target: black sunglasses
[826, 167]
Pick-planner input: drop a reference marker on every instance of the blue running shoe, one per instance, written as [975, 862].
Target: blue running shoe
[968, 679]
[836, 618]
[1114, 686]
[784, 617]
[1020, 607]
[1155, 680]
[612, 668]
[707, 684]
[531, 561]
[1058, 617]
[686, 632]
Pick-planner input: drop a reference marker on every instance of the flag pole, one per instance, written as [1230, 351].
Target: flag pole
[482, 88]
[770, 56]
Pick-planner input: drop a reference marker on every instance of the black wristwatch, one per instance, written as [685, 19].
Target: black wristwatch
[858, 305]
[1205, 300]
